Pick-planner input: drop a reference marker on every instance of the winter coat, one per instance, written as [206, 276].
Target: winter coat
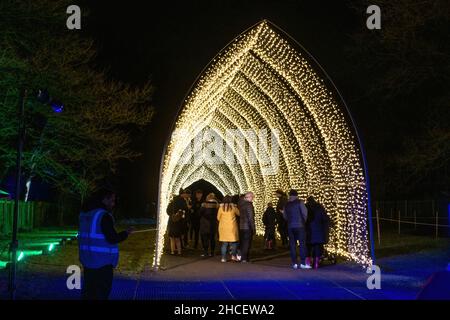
[247, 215]
[295, 213]
[281, 203]
[176, 228]
[195, 217]
[270, 219]
[208, 217]
[228, 227]
[281, 221]
[318, 225]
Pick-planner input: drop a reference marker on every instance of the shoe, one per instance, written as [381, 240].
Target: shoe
[234, 258]
[203, 255]
[238, 257]
[223, 260]
[295, 266]
[243, 261]
[308, 261]
[305, 266]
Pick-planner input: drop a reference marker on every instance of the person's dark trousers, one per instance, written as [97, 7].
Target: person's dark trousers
[184, 240]
[315, 250]
[194, 233]
[283, 235]
[212, 242]
[246, 243]
[205, 242]
[297, 234]
[97, 283]
[208, 242]
[184, 237]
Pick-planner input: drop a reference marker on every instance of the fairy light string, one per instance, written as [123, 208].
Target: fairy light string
[263, 81]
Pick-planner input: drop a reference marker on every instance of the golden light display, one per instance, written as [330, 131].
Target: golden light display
[264, 80]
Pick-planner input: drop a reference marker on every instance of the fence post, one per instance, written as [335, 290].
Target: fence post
[398, 221]
[437, 223]
[406, 208]
[378, 227]
[432, 207]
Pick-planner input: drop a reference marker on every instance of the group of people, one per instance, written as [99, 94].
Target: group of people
[191, 218]
[299, 224]
[194, 218]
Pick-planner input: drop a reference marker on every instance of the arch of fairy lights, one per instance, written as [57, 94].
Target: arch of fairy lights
[265, 80]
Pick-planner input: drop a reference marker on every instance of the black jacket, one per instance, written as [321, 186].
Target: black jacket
[270, 218]
[318, 224]
[176, 228]
[281, 222]
[195, 217]
[247, 215]
[208, 217]
[111, 235]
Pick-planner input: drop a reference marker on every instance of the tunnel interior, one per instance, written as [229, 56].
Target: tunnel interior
[293, 131]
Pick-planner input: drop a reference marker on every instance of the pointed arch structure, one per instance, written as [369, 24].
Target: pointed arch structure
[265, 82]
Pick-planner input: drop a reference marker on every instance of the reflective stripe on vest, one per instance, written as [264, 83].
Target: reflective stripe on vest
[95, 251]
[99, 249]
[91, 235]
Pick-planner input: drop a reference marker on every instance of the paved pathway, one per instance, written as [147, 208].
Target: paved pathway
[209, 279]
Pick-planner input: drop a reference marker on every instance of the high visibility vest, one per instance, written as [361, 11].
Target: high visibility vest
[95, 252]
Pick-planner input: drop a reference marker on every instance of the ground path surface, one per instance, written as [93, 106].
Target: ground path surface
[192, 278]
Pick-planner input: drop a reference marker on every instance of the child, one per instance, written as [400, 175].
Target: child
[269, 220]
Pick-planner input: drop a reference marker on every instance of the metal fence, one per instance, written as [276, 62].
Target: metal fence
[425, 217]
[26, 216]
[36, 214]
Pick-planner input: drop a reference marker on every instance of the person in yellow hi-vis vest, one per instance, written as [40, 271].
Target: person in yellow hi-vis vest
[98, 244]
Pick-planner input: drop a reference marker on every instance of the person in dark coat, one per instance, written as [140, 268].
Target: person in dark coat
[296, 215]
[281, 222]
[269, 221]
[247, 226]
[177, 210]
[194, 231]
[186, 195]
[208, 224]
[317, 230]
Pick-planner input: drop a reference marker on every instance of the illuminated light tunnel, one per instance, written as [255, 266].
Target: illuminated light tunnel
[264, 79]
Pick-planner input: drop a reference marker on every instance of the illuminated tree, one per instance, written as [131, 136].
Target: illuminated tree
[265, 80]
[79, 147]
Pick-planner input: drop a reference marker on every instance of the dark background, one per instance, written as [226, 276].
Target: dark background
[171, 42]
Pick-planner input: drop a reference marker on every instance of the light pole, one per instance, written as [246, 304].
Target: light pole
[43, 97]
[14, 242]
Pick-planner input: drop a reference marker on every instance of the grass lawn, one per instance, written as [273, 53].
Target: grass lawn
[393, 243]
[136, 253]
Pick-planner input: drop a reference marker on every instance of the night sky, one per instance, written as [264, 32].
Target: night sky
[171, 43]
